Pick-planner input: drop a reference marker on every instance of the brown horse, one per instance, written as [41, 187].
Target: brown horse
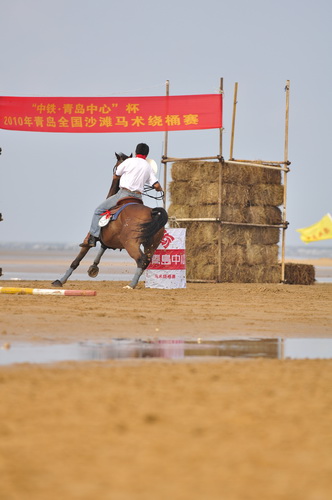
[137, 225]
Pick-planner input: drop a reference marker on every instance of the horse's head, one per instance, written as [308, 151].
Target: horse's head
[120, 157]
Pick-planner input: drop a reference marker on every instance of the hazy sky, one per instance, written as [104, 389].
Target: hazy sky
[51, 183]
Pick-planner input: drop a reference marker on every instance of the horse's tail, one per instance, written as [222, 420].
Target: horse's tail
[149, 229]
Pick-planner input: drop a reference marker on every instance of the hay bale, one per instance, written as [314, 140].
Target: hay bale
[187, 211]
[229, 213]
[201, 233]
[242, 235]
[196, 171]
[262, 215]
[178, 193]
[234, 254]
[204, 211]
[261, 254]
[231, 194]
[193, 193]
[180, 211]
[266, 194]
[204, 233]
[208, 272]
[295, 274]
[208, 171]
[249, 195]
[208, 254]
[233, 273]
[251, 274]
[299, 274]
[205, 267]
[248, 175]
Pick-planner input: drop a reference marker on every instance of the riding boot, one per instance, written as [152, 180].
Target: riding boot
[89, 241]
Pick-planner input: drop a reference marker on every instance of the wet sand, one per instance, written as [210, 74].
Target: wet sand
[167, 429]
[203, 310]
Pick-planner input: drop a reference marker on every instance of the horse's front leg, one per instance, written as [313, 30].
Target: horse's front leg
[73, 266]
[144, 259]
[142, 262]
[136, 277]
[94, 269]
[141, 266]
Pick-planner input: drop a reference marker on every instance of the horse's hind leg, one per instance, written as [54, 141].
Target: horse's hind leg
[94, 269]
[73, 266]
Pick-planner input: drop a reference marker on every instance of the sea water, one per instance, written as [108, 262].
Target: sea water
[50, 261]
[47, 261]
[174, 349]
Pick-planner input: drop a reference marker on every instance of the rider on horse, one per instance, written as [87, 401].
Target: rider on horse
[128, 181]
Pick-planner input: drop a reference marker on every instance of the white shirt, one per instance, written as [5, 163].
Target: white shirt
[135, 172]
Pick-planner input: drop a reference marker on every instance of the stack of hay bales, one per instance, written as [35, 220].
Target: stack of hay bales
[249, 195]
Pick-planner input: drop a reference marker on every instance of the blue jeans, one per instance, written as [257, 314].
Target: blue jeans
[107, 205]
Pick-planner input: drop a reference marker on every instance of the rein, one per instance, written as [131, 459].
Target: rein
[156, 197]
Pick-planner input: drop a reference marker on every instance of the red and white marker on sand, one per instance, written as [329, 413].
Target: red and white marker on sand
[47, 291]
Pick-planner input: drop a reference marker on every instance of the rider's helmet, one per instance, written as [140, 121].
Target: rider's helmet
[142, 149]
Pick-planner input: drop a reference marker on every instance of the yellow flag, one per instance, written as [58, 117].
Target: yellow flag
[322, 230]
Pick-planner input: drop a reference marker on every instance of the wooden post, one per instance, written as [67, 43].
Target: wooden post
[221, 90]
[233, 121]
[165, 153]
[285, 184]
[281, 349]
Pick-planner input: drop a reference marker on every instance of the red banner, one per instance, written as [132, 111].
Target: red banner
[111, 114]
[168, 259]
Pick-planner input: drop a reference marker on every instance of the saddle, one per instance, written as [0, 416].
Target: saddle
[113, 213]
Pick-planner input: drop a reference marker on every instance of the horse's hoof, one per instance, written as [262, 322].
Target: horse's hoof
[57, 283]
[128, 287]
[93, 271]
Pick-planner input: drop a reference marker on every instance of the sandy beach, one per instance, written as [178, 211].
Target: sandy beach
[167, 429]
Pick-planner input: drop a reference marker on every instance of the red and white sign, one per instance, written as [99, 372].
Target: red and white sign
[111, 114]
[168, 265]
